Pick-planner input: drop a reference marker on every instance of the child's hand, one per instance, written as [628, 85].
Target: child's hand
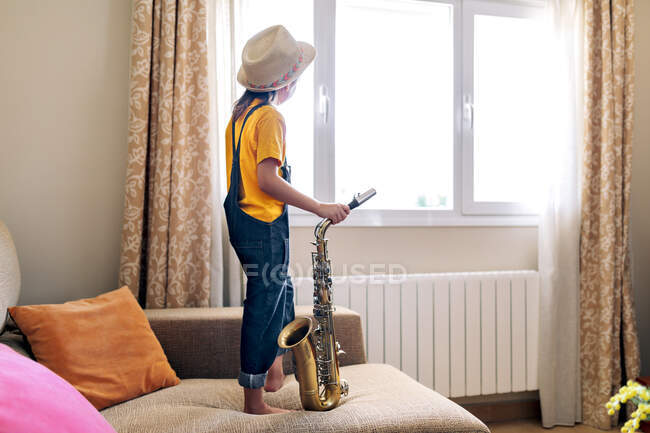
[337, 212]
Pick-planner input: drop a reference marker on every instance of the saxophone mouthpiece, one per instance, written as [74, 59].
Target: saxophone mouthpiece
[360, 199]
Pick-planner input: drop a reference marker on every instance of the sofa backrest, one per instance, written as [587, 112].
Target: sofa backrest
[9, 274]
[204, 342]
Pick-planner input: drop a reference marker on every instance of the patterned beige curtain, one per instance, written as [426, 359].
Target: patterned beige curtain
[166, 233]
[609, 345]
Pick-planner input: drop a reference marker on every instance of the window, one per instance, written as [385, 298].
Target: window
[502, 51]
[433, 103]
[395, 103]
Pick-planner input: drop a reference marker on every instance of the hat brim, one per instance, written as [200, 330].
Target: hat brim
[308, 53]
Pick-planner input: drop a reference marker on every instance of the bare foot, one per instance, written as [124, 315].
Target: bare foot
[274, 382]
[265, 409]
[254, 403]
[275, 377]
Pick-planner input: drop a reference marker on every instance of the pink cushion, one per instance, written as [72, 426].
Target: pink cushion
[35, 400]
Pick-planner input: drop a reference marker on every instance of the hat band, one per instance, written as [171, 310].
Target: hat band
[283, 79]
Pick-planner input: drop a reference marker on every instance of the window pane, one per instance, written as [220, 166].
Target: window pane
[394, 102]
[508, 111]
[297, 16]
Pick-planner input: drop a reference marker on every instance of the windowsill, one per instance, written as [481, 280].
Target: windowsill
[414, 218]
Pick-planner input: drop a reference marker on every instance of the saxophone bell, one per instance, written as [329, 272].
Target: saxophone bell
[297, 336]
[295, 332]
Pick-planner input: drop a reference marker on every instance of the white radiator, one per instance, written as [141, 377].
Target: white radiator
[460, 334]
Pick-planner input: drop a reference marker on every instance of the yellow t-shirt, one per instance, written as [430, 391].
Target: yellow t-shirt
[263, 137]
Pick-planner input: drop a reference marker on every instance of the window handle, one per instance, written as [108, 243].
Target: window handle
[468, 112]
[323, 103]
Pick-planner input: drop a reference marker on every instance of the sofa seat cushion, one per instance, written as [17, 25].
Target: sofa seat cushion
[381, 399]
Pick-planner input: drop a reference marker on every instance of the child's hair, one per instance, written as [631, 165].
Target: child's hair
[242, 103]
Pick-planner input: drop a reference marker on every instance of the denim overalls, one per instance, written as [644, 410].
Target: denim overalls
[263, 250]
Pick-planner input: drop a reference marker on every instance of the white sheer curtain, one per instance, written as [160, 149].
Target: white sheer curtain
[225, 271]
[559, 227]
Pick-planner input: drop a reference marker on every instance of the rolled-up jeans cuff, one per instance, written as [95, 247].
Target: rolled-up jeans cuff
[252, 380]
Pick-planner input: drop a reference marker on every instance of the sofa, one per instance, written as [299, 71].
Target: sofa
[202, 346]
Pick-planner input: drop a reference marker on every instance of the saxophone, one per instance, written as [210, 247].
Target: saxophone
[315, 349]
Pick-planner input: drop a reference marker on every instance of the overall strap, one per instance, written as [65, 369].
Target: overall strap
[235, 173]
[235, 149]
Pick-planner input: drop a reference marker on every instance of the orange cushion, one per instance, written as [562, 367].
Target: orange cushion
[103, 346]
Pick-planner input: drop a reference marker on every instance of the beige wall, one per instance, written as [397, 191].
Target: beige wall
[420, 249]
[64, 81]
[640, 200]
[63, 118]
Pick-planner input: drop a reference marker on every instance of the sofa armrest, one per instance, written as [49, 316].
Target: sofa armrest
[204, 342]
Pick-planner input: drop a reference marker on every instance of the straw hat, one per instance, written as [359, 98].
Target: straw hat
[272, 59]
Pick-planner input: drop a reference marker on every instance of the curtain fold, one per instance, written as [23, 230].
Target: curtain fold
[559, 223]
[166, 233]
[226, 286]
[609, 343]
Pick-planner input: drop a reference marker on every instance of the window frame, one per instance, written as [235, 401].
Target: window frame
[465, 211]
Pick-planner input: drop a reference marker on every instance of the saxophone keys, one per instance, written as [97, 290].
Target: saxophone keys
[345, 387]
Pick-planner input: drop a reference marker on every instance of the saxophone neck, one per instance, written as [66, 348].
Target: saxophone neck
[321, 228]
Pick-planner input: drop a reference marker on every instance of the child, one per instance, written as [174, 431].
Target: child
[256, 205]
